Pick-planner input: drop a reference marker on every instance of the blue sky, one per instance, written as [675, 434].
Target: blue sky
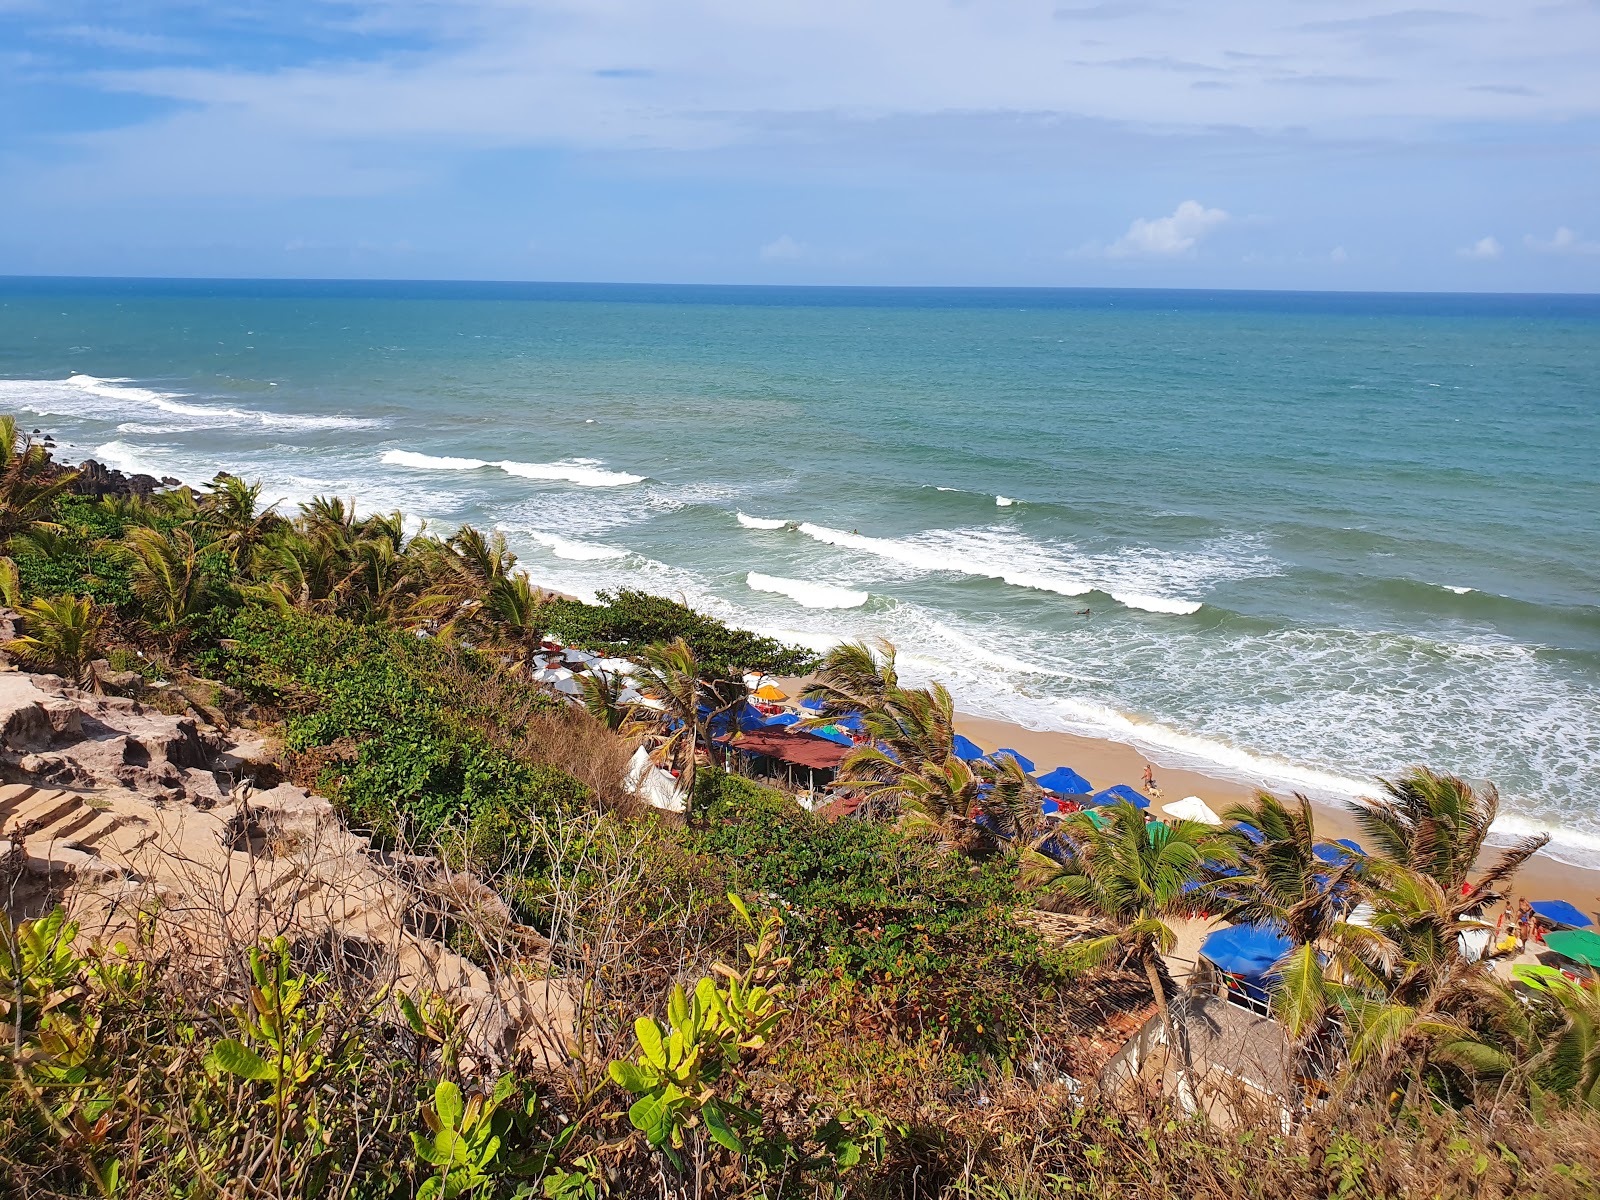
[1234, 143]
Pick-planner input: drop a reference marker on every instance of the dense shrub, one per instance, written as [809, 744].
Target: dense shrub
[374, 711]
[628, 620]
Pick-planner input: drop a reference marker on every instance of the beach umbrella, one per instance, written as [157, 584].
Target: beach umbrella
[629, 695]
[1340, 852]
[1050, 807]
[782, 719]
[568, 687]
[1064, 781]
[834, 734]
[967, 750]
[1022, 760]
[1247, 953]
[1559, 912]
[1577, 944]
[1192, 808]
[813, 705]
[616, 665]
[1250, 831]
[1120, 794]
[770, 691]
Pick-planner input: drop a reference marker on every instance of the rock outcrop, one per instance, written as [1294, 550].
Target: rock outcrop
[118, 812]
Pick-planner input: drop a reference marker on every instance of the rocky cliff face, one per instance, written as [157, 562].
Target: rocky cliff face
[117, 811]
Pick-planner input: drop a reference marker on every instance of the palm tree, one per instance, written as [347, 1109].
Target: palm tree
[695, 697]
[1437, 824]
[1286, 885]
[29, 482]
[513, 613]
[230, 507]
[1567, 1061]
[1134, 874]
[602, 697]
[854, 678]
[168, 577]
[63, 636]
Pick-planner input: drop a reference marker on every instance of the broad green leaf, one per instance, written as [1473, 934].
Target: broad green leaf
[238, 1059]
[649, 1035]
[717, 1126]
[738, 907]
[631, 1077]
[649, 1116]
[678, 1006]
[408, 1010]
[447, 1103]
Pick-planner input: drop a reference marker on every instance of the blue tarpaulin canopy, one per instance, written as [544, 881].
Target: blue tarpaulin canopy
[1064, 781]
[1023, 760]
[1340, 852]
[1559, 912]
[783, 718]
[1249, 951]
[1250, 831]
[813, 705]
[967, 749]
[833, 734]
[1121, 794]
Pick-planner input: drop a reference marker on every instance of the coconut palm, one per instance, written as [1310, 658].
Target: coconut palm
[1286, 885]
[1134, 874]
[1437, 824]
[854, 678]
[1566, 1061]
[168, 576]
[696, 698]
[231, 508]
[63, 636]
[29, 481]
[513, 617]
[602, 697]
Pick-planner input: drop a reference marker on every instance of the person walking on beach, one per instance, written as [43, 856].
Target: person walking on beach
[1149, 778]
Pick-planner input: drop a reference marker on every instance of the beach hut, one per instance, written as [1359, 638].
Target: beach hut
[1245, 956]
[1560, 914]
[1022, 760]
[1064, 781]
[1120, 794]
[968, 750]
[1579, 945]
[1192, 808]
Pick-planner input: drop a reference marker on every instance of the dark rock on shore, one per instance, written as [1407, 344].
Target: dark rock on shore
[97, 480]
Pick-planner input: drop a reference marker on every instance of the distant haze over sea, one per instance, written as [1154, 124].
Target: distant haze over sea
[1320, 537]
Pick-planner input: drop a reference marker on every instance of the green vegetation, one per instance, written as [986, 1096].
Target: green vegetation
[767, 1002]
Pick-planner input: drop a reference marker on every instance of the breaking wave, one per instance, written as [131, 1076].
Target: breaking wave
[805, 593]
[585, 472]
[90, 397]
[761, 522]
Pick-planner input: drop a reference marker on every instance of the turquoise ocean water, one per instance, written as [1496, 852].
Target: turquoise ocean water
[1320, 537]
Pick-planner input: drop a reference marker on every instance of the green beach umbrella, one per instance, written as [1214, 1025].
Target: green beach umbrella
[1577, 944]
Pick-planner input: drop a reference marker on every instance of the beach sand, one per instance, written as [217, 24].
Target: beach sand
[1105, 763]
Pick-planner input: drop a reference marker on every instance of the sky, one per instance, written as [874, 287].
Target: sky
[1229, 144]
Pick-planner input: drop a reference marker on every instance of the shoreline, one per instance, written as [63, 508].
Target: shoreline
[1105, 762]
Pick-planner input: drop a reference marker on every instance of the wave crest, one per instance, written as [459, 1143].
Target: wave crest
[761, 522]
[585, 472]
[806, 593]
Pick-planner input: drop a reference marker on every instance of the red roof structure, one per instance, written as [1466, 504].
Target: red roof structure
[801, 749]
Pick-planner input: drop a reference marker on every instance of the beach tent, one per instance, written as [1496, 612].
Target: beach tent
[967, 749]
[1023, 760]
[1559, 913]
[1064, 781]
[1120, 794]
[1340, 852]
[1579, 945]
[1192, 808]
[1248, 953]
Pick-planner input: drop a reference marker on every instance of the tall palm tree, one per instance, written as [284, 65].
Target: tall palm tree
[513, 614]
[1437, 824]
[602, 697]
[168, 576]
[1566, 1062]
[63, 636]
[29, 481]
[854, 677]
[1134, 874]
[696, 697]
[1285, 884]
[231, 508]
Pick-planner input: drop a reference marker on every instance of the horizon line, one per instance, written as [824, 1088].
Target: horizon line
[860, 287]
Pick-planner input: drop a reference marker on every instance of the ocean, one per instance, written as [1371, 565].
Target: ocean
[1301, 540]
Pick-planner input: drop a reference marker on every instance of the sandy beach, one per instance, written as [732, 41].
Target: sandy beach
[1105, 763]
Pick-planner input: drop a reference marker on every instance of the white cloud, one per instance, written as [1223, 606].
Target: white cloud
[1168, 237]
[782, 248]
[1563, 241]
[1484, 248]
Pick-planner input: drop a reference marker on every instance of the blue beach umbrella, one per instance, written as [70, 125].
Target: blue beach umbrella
[1248, 951]
[1340, 852]
[1023, 760]
[785, 718]
[1250, 831]
[1559, 912]
[1120, 794]
[813, 705]
[1064, 781]
[832, 733]
[967, 750]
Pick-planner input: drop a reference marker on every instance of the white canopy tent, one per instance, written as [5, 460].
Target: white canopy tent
[651, 784]
[1192, 808]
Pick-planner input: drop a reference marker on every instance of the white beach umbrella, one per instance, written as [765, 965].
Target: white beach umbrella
[568, 686]
[1192, 808]
[617, 666]
[629, 695]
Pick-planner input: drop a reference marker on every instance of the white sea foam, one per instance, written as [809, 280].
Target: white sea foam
[135, 460]
[1156, 604]
[93, 398]
[1004, 501]
[1460, 591]
[761, 522]
[586, 472]
[577, 551]
[806, 593]
[919, 553]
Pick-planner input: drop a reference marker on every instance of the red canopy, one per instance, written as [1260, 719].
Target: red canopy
[801, 749]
